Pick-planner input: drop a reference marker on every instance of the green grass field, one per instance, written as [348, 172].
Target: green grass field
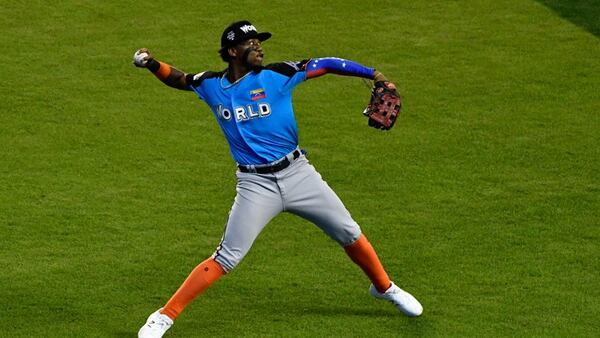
[483, 201]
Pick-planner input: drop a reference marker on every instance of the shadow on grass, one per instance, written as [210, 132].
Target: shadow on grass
[337, 311]
[411, 327]
[583, 13]
[123, 333]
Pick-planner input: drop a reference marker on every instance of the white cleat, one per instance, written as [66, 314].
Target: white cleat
[156, 325]
[404, 301]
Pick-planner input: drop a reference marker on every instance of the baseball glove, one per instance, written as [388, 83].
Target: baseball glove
[384, 108]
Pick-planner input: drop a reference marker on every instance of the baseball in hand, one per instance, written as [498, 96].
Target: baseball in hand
[140, 58]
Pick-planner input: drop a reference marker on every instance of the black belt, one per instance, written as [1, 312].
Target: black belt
[271, 168]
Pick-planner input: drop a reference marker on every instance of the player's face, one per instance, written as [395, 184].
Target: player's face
[255, 57]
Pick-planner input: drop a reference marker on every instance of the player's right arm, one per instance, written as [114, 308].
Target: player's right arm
[168, 74]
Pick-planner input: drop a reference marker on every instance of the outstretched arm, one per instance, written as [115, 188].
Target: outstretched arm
[385, 102]
[331, 65]
[168, 74]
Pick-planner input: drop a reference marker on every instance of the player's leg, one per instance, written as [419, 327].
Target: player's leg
[311, 198]
[363, 254]
[257, 201]
[203, 275]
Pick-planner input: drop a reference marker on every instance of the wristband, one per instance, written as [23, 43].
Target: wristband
[153, 65]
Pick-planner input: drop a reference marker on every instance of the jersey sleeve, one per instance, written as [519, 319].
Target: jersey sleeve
[293, 70]
[332, 65]
[195, 82]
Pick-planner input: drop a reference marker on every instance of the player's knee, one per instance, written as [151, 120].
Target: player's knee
[227, 261]
[347, 235]
[351, 239]
[223, 265]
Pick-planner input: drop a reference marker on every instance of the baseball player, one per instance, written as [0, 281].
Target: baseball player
[253, 105]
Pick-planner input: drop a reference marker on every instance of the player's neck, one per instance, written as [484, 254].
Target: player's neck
[236, 71]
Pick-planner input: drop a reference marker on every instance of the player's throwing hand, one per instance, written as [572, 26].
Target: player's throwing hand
[141, 57]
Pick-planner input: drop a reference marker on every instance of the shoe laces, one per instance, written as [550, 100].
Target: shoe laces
[399, 297]
[160, 322]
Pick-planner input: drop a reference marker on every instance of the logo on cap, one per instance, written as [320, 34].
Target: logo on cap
[231, 35]
[247, 28]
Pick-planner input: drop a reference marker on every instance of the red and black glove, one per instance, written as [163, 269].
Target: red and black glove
[385, 105]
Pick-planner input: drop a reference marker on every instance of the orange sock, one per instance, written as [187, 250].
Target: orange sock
[199, 280]
[362, 253]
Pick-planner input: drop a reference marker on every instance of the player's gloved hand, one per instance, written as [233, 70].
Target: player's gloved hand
[385, 105]
[142, 57]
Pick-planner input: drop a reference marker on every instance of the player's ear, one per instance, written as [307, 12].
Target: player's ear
[232, 51]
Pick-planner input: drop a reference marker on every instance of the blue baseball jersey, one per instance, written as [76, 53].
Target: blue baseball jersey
[255, 112]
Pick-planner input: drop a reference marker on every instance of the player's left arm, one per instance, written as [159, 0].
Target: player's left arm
[330, 65]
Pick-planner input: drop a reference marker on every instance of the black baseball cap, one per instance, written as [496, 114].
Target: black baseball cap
[241, 31]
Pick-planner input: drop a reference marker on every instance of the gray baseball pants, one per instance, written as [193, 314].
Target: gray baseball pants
[298, 189]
